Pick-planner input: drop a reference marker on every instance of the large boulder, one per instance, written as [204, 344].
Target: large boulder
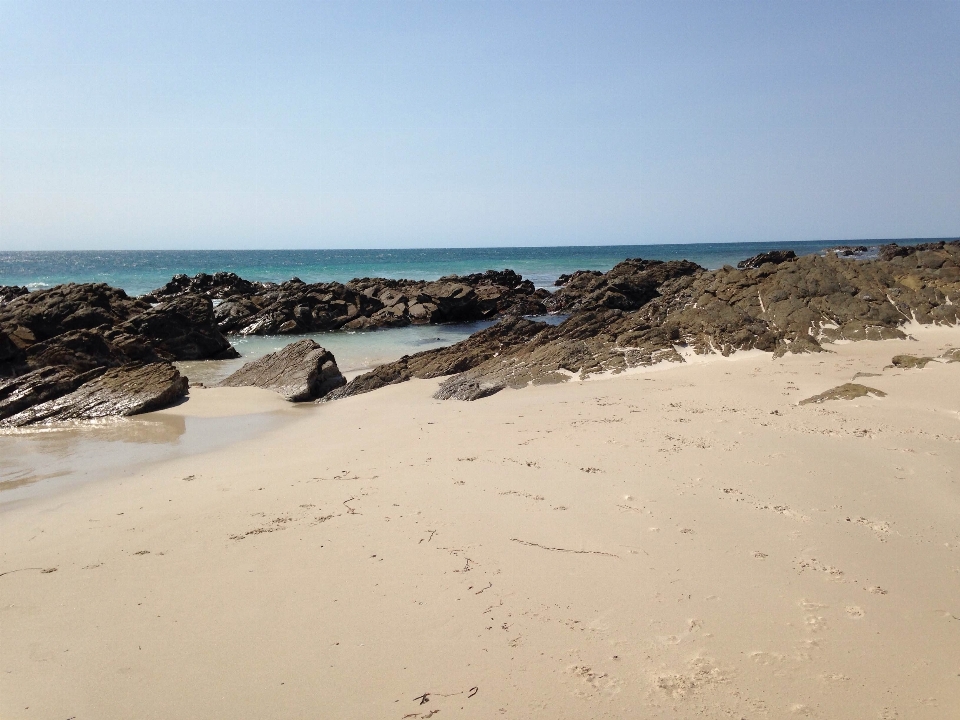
[125, 390]
[184, 328]
[299, 372]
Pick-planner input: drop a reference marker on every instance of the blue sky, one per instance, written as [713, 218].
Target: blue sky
[417, 124]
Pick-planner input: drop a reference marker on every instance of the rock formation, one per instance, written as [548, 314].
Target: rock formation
[56, 344]
[301, 371]
[642, 312]
[250, 308]
[126, 390]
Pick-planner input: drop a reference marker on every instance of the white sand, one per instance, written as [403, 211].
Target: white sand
[680, 543]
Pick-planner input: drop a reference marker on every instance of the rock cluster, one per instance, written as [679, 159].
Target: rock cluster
[643, 312]
[293, 307]
[60, 346]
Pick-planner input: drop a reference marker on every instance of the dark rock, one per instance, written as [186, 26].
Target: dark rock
[362, 304]
[44, 314]
[299, 372]
[39, 386]
[83, 350]
[9, 292]
[849, 250]
[774, 256]
[125, 390]
[565, 278]
[182, 327]
[12, 357]
[219, 285]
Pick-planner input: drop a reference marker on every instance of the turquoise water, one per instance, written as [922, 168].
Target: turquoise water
[139, 271]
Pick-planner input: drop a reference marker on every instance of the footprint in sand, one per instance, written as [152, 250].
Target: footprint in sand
[854, 612]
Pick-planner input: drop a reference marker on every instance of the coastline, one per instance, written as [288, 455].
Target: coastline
[682, 539]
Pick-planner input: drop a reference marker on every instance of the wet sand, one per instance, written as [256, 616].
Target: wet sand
[683, 542]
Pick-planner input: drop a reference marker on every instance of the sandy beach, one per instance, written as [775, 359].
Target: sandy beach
[685, 541]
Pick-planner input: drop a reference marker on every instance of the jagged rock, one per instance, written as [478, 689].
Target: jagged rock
[40, 315]
[299, 372]
[125, 390]
[362, 304]
[774, 256]
[219, 285]
[644, 312]
[9, 292]
[565, 277]
[952, 355]
[83, 350]
[628, 286]
[847, 391]
[477, 348]
[182, 327]
[910, 361]
[48, 383]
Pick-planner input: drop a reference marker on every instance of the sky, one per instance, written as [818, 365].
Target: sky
[202, 124]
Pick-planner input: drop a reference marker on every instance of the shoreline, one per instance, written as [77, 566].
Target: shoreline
[665, 544]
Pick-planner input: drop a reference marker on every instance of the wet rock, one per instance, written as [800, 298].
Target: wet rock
[847, 391]
[299, 372]
[48, 383]
[774, 256]
[120, 391]
[182, 327]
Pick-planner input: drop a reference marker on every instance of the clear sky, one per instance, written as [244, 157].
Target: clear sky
[383, 124]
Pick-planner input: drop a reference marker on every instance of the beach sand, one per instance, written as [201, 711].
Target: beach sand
[682, 542]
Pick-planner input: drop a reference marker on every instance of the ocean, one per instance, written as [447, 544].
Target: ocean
[139, 271]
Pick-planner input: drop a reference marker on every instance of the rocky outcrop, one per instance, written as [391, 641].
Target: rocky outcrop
[774, 256]
[41, 315]
[299, 372]
[126, 390]
[19, 393]
[57, 342]
[644, 312]
[362, 304]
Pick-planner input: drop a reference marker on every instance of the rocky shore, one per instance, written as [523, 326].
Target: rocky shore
[88, 350]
